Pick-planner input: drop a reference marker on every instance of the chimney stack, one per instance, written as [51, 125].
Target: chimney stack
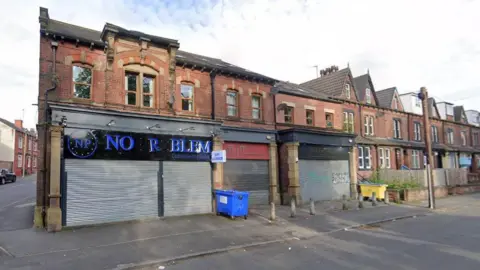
[19, 123]
[44, 18]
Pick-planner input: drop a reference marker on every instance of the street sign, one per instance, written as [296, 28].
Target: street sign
[219, 156]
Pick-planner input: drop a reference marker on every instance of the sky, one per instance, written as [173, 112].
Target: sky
[403, 43]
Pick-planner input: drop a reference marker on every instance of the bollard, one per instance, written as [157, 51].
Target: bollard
[312, 207]
[374, 199]
[344, 202]
[360, 200]
[272, 211]
[293, 210]
[386, 199]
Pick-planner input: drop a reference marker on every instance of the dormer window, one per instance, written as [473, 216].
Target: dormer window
[395, 103]
[347, 91]
[418, 102]
[368, 96]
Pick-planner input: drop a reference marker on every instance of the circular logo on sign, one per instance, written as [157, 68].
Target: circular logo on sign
[82, 143]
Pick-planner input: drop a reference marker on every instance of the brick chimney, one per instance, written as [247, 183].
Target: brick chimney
[19, 123]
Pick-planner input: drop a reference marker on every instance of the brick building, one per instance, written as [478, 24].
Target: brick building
[19, 150]
[127, 123]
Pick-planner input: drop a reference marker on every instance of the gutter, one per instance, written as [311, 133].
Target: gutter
[45, 130]
[213, 74]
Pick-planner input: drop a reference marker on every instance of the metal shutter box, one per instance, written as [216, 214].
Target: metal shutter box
[324, 179]
[187, 188]
[248, 175]
[100, 191]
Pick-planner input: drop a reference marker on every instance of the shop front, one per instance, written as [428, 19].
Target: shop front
[134, 168]
[251, 163]
[316, 165]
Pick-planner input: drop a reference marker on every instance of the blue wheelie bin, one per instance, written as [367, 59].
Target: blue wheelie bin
[232, 203]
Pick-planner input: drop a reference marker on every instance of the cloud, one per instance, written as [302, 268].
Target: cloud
[404, 43]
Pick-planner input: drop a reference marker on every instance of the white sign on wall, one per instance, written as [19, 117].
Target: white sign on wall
[219, 156]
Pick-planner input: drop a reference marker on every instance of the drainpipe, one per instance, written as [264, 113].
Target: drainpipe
[212, 85]
[45, 131]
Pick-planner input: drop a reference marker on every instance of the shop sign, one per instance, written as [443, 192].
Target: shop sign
[101, 144]
[219, 156]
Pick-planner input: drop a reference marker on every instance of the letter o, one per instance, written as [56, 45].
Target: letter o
[131, 143]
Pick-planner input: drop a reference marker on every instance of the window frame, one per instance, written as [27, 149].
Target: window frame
[418, 102]
[332, 121]
[236, 105]
[387, 158]
[291, 114]
[307, 111]
[397, 124]
[416, 159]
[84, 66]
[368, 96]
[417, 129]
[450, 136]
[192, 99]
[361, 164]
[364, 157]
[368, 125]
[381, 157]
[139, 93]
[475, 138]
[348, 91]
[434, 134]
[260, 114]
[20, 141]
[19, 161]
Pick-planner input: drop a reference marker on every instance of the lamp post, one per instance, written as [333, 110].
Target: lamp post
[423, 96]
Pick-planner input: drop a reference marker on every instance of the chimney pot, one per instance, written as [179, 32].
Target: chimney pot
[19, 123]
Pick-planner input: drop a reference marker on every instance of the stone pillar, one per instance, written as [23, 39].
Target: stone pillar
[273, 169]
[352, 156]
[217, 170]
[446, 161]
[54, 213]
[40, 192]
[293, 172]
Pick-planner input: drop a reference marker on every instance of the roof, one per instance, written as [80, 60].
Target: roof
[432, 104]
[331, 84]
[297, 90]
[385, 97]
[361, 83]
[12, 125]
[90, 36]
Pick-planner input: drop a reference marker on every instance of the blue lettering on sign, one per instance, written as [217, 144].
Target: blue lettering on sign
[154, 145]
[84, 144]
[194, 146]
[178, 145]
[117, 141]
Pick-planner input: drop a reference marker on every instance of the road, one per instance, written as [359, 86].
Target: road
[16, 204]
[444, 240]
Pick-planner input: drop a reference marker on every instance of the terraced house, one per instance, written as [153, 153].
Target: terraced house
[128, 121]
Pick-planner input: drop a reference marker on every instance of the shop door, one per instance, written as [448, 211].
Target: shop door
[324, 179]
[248, 175]
[187, 188]
[101, 191]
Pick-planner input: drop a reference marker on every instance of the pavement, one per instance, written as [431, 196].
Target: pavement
[203, 238]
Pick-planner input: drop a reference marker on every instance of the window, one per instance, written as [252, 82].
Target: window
[348, 124]
[395, 103]
[136, 95]
[364, 157]
[20, 141]
[384, 157]
[463, 135]
[417, 131]
[82, 82]
[368, 96]
[396, 129]
[34, 162]
[418, 102]
[186, 91]
[29, 162]
[256, 107]
[475, 139]
[434, 134]
[310, 117]
[232, 103]
[19, 161]
[368, 123]
[450, 139]
[329, 120]
[347, 91]
[30, 144]
[288, 115]
[415, 159]
[35, 146]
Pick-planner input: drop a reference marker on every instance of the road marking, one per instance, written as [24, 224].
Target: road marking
[15, 202]
[25, 205]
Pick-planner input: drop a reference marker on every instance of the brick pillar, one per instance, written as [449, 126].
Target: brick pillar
[293, 172]
[54, 213]
[353, 171]
[273, 163]
[217, 170]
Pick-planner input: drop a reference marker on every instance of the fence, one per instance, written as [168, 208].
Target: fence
[441, 177]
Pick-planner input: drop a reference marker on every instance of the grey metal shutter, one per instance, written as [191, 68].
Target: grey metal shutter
[187, 188]
[324, 179]
[100, 191]
[248, 175]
